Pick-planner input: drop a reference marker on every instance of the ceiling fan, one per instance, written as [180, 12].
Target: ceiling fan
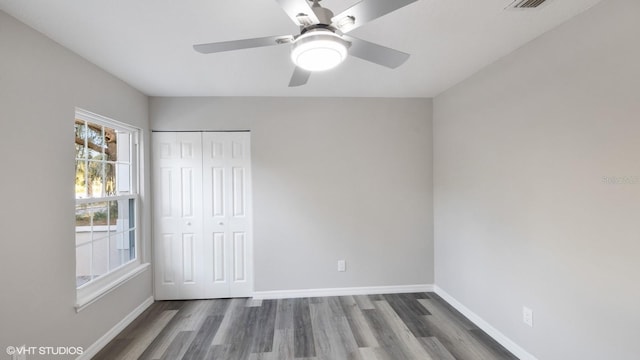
[322, 43]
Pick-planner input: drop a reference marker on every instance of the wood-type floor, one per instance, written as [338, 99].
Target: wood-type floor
[378, 327]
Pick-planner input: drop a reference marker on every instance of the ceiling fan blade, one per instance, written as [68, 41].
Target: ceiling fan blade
[366, 11]
[242, 44]
[300, 77]
[293, 8]
[375, 53]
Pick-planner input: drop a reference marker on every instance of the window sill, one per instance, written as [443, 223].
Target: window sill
[84, 301]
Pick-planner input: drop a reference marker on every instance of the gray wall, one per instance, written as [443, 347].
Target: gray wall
[332, 179]
[41, 83]
[522, 214]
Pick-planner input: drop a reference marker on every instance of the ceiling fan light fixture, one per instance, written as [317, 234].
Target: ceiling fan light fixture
[319, 50]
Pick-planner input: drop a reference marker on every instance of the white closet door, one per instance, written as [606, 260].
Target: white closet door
[178, 247]
[227, 220]
[202, 224]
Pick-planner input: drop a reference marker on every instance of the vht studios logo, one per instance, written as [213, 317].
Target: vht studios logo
[44, 350]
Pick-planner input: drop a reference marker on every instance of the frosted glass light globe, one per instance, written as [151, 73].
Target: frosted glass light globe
[319, 50]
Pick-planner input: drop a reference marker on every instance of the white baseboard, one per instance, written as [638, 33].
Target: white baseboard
[367, 290]
[515, 349]
[92, 350]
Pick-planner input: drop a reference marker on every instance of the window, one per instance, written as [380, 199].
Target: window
[106, 193]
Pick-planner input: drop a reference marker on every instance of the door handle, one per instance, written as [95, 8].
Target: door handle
[220, 223]
[188, 223]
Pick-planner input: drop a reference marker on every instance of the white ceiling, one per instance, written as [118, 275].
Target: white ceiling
[147, 43]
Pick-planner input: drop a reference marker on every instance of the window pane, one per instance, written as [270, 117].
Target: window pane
[132, 244]
[99, 215]
[123, 147]
[114, 211]
[100, 256]
[95, 137]
[80, 151]
[83, 216]
[80, 131]
[120, 215]
[111, 144]
[93, 175]
[123, 179]
[95, 141]
[79, 128]
[81, 185]
[122, 239]
[122, 248]
[131, 213]
[110, 179]
[83, 264]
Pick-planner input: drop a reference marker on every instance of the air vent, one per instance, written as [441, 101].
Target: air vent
[526, 4]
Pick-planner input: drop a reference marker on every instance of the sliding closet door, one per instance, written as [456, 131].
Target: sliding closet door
[202, 225]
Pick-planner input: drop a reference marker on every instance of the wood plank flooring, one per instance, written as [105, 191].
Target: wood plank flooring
[376, 327]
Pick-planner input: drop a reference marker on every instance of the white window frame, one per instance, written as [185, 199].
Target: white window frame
[93, 290]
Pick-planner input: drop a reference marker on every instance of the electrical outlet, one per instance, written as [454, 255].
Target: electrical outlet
[527, 316]
[342, 265]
